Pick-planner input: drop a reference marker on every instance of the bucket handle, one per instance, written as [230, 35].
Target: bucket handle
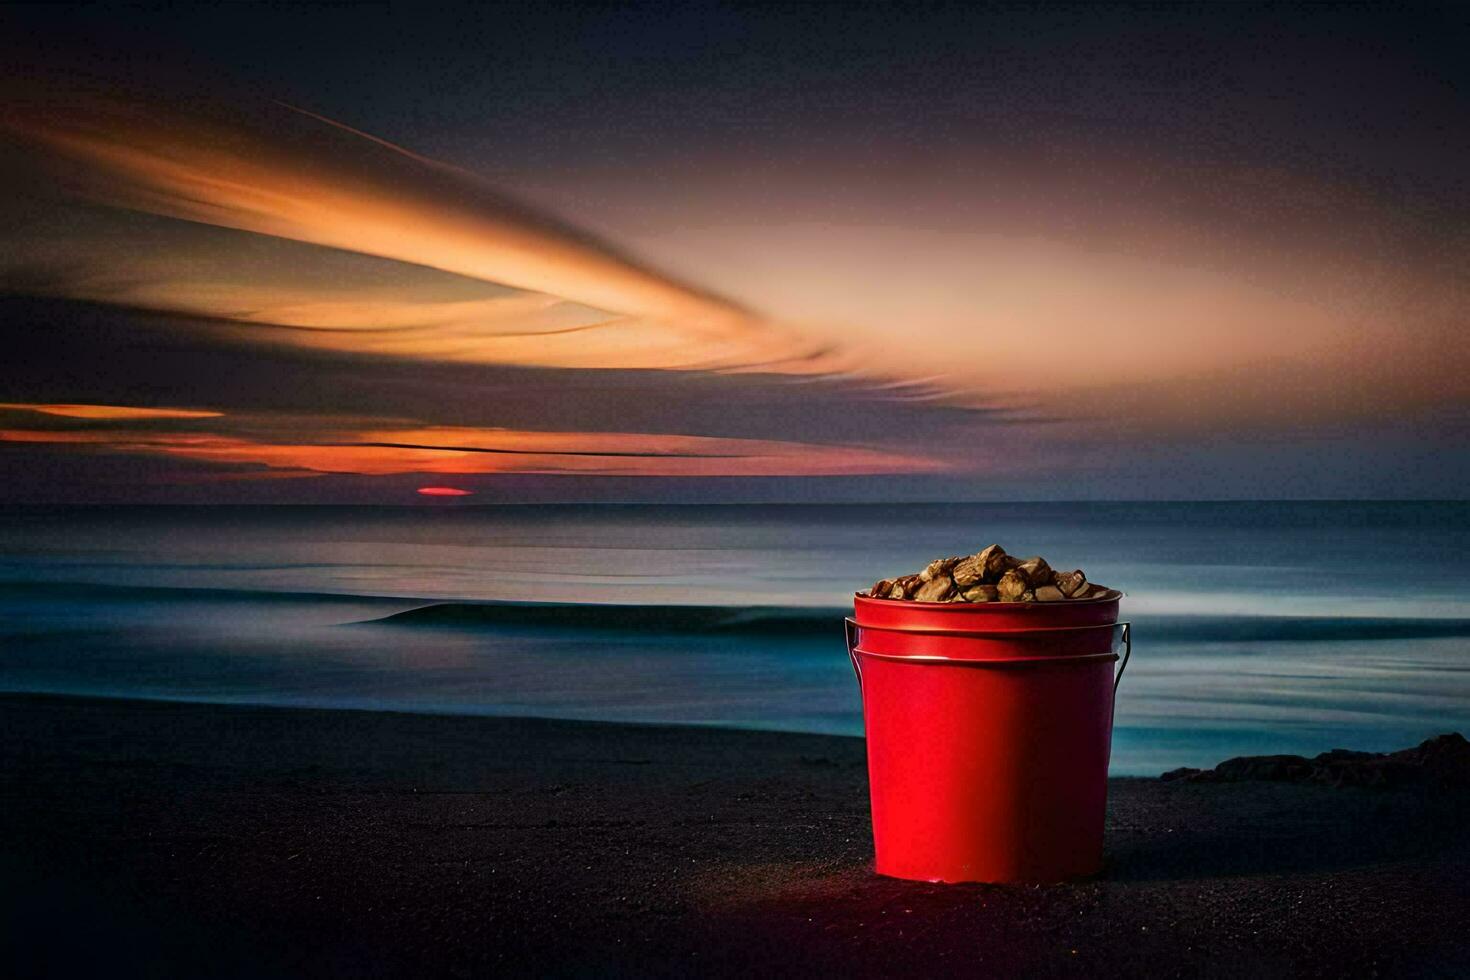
[850, 626]
[1127, 652]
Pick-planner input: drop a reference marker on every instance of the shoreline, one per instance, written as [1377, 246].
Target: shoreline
[268, 841]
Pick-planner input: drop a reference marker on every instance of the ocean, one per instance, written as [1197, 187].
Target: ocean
[1258, 627]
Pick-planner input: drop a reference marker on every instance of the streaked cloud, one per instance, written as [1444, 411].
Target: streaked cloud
[461, 450]
[110, 411]
[291, 175]
[512, 328]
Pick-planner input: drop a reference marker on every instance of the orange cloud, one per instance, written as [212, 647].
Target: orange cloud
[109, 411]
[329, 186]
[461, 450]
[517, 328]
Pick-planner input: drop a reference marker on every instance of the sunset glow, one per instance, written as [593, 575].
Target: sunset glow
[445, 492]
[1080, 302]
[382, 452]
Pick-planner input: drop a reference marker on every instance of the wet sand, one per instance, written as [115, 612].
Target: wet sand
[149, 839]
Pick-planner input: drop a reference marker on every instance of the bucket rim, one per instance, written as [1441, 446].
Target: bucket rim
[1112, 595]
[984, 634]
[936, 661]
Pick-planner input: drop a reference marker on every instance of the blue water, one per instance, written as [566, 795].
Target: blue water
[1259, 627]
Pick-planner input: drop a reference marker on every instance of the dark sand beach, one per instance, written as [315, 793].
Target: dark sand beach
[182, 839]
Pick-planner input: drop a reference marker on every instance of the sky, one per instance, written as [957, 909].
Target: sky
[725, 252]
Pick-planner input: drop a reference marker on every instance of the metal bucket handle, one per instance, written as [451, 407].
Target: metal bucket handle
[1127, 652]
[851, 627]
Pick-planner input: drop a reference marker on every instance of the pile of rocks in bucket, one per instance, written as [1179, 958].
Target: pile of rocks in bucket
[990, 576]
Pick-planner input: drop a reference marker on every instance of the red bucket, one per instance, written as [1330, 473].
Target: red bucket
[989, 728]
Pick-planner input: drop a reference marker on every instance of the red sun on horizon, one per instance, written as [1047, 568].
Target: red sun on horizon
[445, 492]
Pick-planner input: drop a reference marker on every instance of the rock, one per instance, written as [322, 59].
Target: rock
[1069, 582]
[937, 567]
[1183, 772]
[904, 587]
[1036, 571]
[935, 590]
[984, 566]
[968, 571]
[1442, 762]
[1006, 579]
[998, 563]
[1011, 585]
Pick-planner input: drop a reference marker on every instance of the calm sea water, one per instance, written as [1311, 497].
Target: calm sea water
[1259, 627]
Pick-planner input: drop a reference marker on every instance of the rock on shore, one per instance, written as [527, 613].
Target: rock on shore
[1442, 761]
